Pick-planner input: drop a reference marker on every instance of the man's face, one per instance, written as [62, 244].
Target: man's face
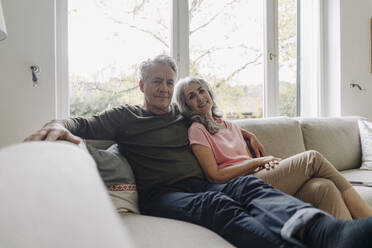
[158, 88]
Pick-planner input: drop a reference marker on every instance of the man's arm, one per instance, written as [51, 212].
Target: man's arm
[52, 131]
[103, 126]
[255, 144]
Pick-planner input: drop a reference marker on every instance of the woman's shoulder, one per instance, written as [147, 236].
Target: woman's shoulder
[231, 125]
[196, 125]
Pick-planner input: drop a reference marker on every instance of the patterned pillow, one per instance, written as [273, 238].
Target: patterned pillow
[118, 178]
[365, 130]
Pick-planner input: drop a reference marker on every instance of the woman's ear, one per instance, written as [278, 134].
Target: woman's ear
[141, 84]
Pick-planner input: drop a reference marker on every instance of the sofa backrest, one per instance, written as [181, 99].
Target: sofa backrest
[336, 138]
[280, 136]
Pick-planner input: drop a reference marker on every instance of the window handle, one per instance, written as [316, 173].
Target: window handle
[34, 69]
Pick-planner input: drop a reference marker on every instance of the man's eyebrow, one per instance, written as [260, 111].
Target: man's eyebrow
[157, 78]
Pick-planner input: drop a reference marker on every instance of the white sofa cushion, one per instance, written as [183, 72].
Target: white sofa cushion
[359, 175]
[336, 138]
[156, 232]
[52, 196]
[118, 177]
[280, 136]
[365, 130]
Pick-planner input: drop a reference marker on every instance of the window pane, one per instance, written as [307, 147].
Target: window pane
[226, 47]
[287, 10]
[107, 40]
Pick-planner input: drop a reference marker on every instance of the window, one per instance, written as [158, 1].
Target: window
[226, 49]
[221, 41]
[287, 40]
[107, 41]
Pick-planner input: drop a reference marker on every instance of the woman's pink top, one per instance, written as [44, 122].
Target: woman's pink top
[228, 145]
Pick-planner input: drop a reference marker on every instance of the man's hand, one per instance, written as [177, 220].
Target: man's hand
[255, 144]
[53, 131]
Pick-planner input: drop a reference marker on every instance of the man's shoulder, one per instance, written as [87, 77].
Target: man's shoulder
[128, 108]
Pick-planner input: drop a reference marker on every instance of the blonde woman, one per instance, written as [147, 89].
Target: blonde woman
[223, 155]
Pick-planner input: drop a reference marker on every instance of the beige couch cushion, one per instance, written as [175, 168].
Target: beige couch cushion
[336, 138]
[156, 232]
[360, 176]
[280, 136]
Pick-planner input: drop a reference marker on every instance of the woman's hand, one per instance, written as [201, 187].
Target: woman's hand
[268, 163]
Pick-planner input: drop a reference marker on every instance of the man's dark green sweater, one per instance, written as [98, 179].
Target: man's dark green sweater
[156, 146]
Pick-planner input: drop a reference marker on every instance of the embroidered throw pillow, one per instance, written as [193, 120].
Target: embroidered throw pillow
[365, 130]
[118, 178]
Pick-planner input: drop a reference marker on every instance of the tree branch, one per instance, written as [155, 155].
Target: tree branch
[209, 51]
[94, 85]
[229, 77]
[206, 23]
[157, 37]
[211, 19]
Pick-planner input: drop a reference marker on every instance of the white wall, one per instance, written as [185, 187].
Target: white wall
[31, 40]
[355, 54]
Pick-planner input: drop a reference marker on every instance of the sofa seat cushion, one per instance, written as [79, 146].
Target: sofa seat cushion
[280, 136]
[336, 138]
[156, 232]
[360, 176]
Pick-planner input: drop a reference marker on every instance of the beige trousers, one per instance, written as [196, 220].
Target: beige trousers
[311, 178]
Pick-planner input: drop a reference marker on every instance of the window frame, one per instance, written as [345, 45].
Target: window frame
[62, 75]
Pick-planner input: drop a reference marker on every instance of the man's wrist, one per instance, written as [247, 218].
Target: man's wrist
[54, 122]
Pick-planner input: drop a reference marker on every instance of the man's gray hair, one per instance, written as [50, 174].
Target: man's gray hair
[146, 65]
[210, 125]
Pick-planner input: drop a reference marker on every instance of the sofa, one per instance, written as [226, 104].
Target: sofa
[52, 195]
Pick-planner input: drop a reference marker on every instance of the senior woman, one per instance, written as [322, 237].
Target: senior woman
[223, 155]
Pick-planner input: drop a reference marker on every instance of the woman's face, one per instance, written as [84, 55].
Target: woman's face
[198, 99]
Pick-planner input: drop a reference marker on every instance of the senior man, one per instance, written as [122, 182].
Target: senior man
[245, 211]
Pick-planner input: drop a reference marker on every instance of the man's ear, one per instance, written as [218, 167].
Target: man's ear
[141, 83]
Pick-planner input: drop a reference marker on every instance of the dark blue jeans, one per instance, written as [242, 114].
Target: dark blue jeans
[245, 211]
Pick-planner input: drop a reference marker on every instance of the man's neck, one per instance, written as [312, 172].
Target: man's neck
[156, 111]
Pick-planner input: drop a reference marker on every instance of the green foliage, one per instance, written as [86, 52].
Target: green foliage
[90, 98]
[287, 99]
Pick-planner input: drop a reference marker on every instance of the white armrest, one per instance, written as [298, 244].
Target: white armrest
[51, 195]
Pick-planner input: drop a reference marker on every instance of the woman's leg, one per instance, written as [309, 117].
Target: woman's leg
[320, 192]
[300, 168]
[356, 205]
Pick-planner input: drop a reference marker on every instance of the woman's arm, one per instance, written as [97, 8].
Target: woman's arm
[215, 174]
